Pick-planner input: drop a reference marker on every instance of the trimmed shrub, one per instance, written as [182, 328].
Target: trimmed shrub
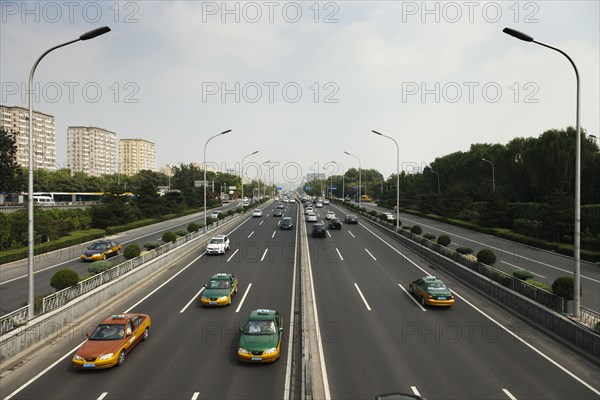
[99, 266]
[152, 245]
[169, 236]
[64, 278]
[523, 274]
[373, 213]
[429, 236]
[541, 285]
[239, 210]
[486, 256]
[181, 232]
[464, 250]
[362, 209]
[231, 211]
[444, 240]
[563, 286]
[209, 220]
[131, 251]
[417, 230]
[192, 227]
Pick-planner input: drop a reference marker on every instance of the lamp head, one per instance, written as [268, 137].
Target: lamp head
[377, 133]
[517, 34]
[96, 32]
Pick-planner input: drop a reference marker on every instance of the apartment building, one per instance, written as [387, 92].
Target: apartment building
[91, 150]
[136, 155]
[16, 121]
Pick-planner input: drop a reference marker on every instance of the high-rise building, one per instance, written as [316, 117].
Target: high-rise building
[91, 150]
[136, 155]
[16, 121]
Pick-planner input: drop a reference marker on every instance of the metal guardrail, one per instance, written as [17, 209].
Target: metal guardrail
[19, 317]
[590, 318]
[13, 319]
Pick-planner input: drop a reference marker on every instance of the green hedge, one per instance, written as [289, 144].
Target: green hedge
[99, 266]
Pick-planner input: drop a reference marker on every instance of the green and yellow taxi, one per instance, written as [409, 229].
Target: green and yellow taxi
[432, 292]
[219, 290]
[260, 339]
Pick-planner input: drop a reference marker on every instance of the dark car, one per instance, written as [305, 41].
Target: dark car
[351, 219]
[335, 223]
[277, 212]
[319, 230]
[286, 223]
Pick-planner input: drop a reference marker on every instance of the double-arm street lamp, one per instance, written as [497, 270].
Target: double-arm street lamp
[359, 176]
[493, 175]
[30, 240]
[577, 233]
[204, 168]
[397, 178]
[242, 173]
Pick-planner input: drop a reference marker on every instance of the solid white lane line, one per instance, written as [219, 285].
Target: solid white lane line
[415, 390]
[231, 256]
[243, 298]
[261, 222]
[412, 297]
[370, 254]
[362, 297]
[352, 234]
[273, 235]
[510, 396]
[264, 254]
[103, 395]
[339, 254]
[517, 337]
[328, 234]
[517, 267]
[251, 233]
[192, 300]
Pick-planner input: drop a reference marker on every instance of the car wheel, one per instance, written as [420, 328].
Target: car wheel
[146, 334]
[103, 256]
[119, 252]
[411, 290]
[229, 300]
[423, 301]
[121, 359]
[236, 288]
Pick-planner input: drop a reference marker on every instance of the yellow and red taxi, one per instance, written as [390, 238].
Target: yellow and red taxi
[110, 342]
[101, 250]
[432, 292]
[219, 290]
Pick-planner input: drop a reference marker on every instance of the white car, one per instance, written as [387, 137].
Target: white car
[390, 217]
[214, 215]
[312, 217]
[218, 245]
[330, 215]
[319, 204]
[326, 201]
[308, 210]
[257, 213]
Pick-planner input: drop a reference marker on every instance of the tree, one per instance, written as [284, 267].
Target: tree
[11, 175]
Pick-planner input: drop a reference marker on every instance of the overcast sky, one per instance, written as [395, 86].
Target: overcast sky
[302, 82]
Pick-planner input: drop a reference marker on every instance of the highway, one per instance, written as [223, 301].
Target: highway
[375, 337]
[13, 276]
[546, 266]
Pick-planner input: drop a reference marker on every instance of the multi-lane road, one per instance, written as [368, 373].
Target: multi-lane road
[375, 337]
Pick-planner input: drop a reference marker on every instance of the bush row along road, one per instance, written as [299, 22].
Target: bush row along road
[375, 337]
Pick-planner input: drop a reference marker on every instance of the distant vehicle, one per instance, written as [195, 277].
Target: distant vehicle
[260, 339]
[218, 245]
[326, 202]
[286, 223]
[308, 210]
[246, 201]
[330, 215]
[43, 201]
[110, 341]
[366, 198]
[280, 205]
[432, 291]
[319, 204]
[219, 290]
[277, 212]
[351, 219]
[335, 223]
[312, 217]
[257, 213]
[214, 215]
[319, 230]
[390, 217]
[101, 250]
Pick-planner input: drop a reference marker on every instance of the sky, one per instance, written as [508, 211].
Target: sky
[302, 82]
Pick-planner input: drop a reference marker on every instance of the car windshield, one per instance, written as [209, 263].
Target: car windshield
[436, 286]
[216, 241]
[108, 332]
[98, 246]
[218, 284]
[260, 328]
[287, 220]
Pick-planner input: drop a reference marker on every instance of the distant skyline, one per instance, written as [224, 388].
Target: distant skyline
[302, 82]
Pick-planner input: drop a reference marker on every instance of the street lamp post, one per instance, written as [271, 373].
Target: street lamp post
[30, 241]
[577, 230]
[343, 179]
[438, 179]
[397, 178]
[260, 177]
[204, 168]
[493, 175]
[242, 173]
[359, 176]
